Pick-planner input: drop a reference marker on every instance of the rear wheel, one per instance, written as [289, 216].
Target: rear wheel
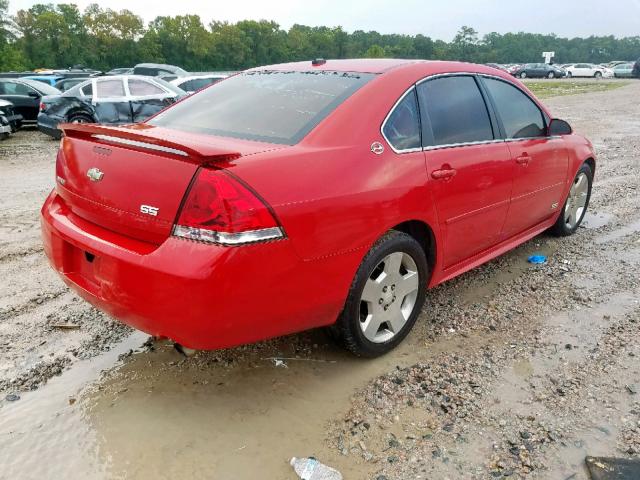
[386, 296]
[80, 118]
[576, 204]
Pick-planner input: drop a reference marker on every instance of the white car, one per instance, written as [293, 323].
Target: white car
[588, 70]
[194, 83]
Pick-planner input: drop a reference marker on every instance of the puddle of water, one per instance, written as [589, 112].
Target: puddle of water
[158, 416]
[594, 220]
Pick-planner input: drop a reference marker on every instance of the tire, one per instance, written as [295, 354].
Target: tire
[4, 136]
[569, 74]
[597, 75]
[576, 204]
[385, 282]
[523, 75]
[551, 75]
[80, 118]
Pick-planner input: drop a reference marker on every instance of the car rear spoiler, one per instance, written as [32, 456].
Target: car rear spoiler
[146, 138]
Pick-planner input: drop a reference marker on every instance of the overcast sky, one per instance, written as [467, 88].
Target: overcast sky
[435, 18]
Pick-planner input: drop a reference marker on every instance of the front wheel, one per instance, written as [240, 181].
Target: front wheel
[523, 75]
[551, 75]
[576, 204]
[386, 296]
[569, 74]
[597, 75]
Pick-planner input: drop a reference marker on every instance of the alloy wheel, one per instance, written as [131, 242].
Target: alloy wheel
[577, 201]
[389, 297]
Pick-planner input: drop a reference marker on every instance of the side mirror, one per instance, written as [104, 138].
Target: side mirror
[34, 94]
[559, 127]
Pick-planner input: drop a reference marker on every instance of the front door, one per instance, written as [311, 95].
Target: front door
[540, 162]
[26, 100]
[469, 167]
[111, 102]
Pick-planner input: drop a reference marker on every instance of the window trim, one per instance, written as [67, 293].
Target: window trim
[411, 89]
[490, 107]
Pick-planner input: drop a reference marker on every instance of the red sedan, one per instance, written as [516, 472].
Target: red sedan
[325, 193]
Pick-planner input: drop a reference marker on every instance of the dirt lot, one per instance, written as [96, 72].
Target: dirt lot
[513, 370]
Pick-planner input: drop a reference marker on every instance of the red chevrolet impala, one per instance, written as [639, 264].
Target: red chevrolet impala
[325, 193]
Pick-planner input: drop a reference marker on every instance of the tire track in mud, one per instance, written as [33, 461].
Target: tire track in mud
[30, 304]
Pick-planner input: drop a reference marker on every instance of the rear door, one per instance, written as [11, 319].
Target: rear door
[540, 162]
[110, 101]
[469, 166]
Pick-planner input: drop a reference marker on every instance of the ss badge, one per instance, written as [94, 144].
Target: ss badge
[149, 210]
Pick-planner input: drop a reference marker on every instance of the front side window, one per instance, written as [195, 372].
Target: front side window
[402, 128]
[110, 88]
[453, 111]
[266, 105]
[140, 88]
[520, 116]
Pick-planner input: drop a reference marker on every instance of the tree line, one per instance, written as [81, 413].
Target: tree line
[60, 36]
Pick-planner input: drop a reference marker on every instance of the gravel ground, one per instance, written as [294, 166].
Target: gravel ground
[512, 370]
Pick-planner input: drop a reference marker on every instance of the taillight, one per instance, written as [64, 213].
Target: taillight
[220, 209]
[43, 106]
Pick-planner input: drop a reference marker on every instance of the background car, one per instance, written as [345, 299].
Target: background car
[538, 70]
[65, 84]
[7, 111]
[25, 96]
[588, 70]
[48, 79]
[166, 72]
[110, 99]
[120, 71]
[193, 83]
[623, 70]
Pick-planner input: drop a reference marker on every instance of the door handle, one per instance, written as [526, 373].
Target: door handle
[443, 174]
[523, 159]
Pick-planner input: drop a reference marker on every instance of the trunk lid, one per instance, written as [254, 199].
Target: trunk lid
[132, 179]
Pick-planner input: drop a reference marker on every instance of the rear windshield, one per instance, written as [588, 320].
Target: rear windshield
[270, 106]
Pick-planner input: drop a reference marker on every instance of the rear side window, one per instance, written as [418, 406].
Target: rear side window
[402, 128]
[271, 106]
[139, 88]
[520, 116]
[453, 111]
[110, 88]
[87, 90]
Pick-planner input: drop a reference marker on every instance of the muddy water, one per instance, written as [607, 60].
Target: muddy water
[157, 415]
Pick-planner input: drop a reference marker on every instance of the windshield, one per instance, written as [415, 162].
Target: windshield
[269, 106]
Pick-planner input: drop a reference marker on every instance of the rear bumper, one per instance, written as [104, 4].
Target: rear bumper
[49, 126]
[200, 295]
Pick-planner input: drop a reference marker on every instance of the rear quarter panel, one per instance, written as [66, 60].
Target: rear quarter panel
[331, 193]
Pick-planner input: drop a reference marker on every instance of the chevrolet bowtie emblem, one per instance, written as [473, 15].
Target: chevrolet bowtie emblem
[95, 174]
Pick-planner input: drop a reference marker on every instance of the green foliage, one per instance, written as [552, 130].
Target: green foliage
[59, 36]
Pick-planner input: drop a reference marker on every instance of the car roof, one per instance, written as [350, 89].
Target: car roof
[359, 65]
